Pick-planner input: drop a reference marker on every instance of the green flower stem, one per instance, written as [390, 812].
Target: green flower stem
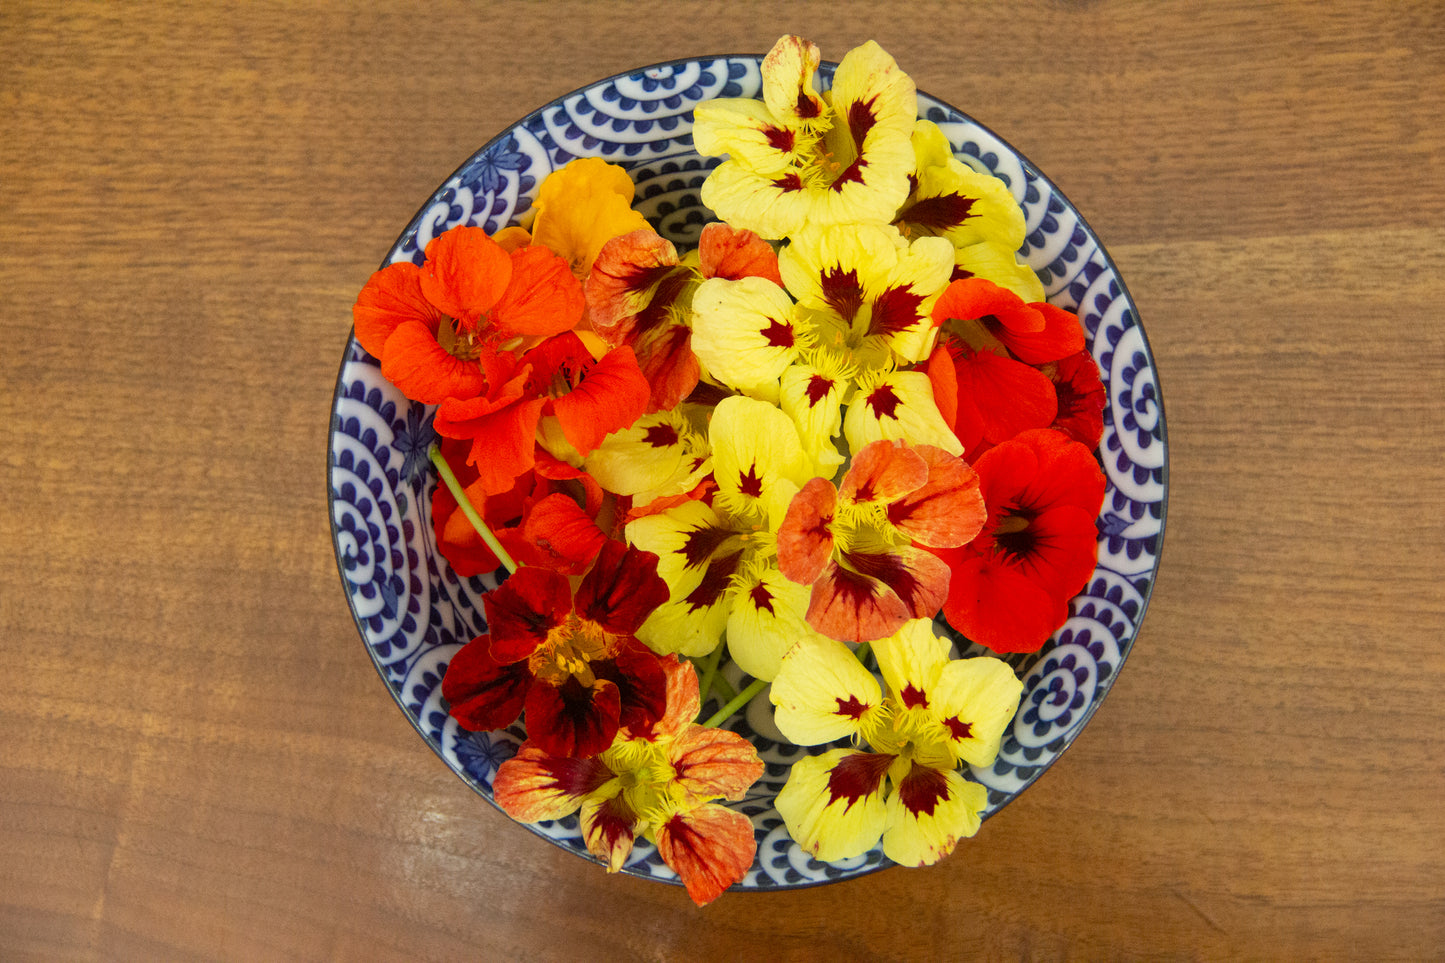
[862, 652]
[723, 687]
[455, 487]
[709, 672]
[736, 703]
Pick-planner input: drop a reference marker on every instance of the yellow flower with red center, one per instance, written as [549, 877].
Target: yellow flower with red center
[905, 789]
[799, 157]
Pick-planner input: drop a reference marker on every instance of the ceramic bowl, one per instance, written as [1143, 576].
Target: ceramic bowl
[413, 612]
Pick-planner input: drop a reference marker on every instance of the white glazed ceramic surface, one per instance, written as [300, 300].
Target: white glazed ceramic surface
[414, 613]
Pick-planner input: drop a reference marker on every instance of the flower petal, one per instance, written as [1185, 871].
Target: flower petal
[581, 207]
[535, 785]
[573, 719]
[726, 252]
[883, 471]
[609, 827]
[414, 361]
[823, 693]
[911, 660]
[621, 589]
[996, 605]
[805, 538]
[756, 457]
[543, 297]
[714, 762]
[768, 618]
[833, 803]
[976, 699]
[483, 694]
[524, 609]
[563, 533]
[710, 848]
[929, 813]
[788, 91]
[948, 509]
[853, 607]
[898, 405]
[744, 332]
[609, 396]
[465, 274]
[642, 685]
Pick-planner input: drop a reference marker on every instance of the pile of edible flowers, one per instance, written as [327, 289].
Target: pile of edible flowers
[849, 410]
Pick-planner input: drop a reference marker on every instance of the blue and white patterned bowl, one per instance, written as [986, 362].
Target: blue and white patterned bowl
[414, 612]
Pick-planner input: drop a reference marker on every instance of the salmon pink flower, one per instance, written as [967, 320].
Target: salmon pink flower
[659, 784]
[571, 661]
[905, 788]
[428, 325]
[799, 158]
[1011, 585]
[855, 544]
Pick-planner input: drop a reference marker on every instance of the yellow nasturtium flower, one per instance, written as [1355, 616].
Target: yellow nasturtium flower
[581, 207]
[937, 714]
[802, 158]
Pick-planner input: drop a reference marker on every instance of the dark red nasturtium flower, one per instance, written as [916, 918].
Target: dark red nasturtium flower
[1081, 396]
[1010, 587]
[572, 662]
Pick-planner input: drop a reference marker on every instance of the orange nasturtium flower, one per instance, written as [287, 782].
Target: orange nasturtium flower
[855, 545]
[937, 714]
[660, 785]
[799, 158]
[581, 207]
[428, 325]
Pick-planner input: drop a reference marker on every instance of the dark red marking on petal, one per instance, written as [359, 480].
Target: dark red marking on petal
[621, 589]
[751, 484]
[574, 777]
[959, 274]
[895, 310]
[807, 107]
[890, 569]
[939, 213]
[884, 401]
[922, 790]
[779, 138]
[789, 182]
[779, 334]
[843, 291]
[641, 681]
[957, 728]
[573, 719]
[762, 598]
[913, 697]
[857, 775]
[818, 388]
[714, 582]
[660, 436]
[658, 310]
[699, 544]
[852, 707]
[861, 119]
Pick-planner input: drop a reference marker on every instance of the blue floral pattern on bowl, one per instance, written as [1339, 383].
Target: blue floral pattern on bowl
[414, 613]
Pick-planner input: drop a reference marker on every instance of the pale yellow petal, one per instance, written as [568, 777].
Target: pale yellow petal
[976, 700]
[767, 619]
[898, 406]
[755, 448]
[814, 401]
[745, 130]
[911, 660]
[999, 263]
[928, 813]
[788, 90]
[823, 693]
[641, 457]
[825, 820]
[744, 331]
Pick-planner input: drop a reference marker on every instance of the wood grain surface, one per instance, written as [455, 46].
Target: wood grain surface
[197, 760]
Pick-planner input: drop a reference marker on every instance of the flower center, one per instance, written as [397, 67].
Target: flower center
[569, 651]
[460, 345]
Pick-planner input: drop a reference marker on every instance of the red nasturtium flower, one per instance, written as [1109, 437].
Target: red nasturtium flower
[557, 394]
[548, 518]
[1081, 396]
[427, 325]
[1011, 586]
[572, 662]
[855, 545]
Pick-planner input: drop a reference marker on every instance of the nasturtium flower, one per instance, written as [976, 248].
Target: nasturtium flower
[949, 199]
[428, 325]
[557, 395]
[1010, 587]
[746, 333]
[719, 556]
[855, 545]
[988, 397]
[811, 393]
[581, 207]
[660, 783]
[571, 660]
[542, 520]
[660, 455]
[1081, 397]
[905, 788]
[897, 406]
[988, 316]
[800, 158]
[873, 291]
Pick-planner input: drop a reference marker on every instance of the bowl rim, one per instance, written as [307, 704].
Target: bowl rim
[1146, 596]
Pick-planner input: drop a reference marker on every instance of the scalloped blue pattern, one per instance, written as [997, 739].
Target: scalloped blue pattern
[414, 613]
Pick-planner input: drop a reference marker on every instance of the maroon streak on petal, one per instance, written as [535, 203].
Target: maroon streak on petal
[700, 544]
[805, 538]
[917, 577]
[710, 848]
[884, 402]
[922, 790]
[895, 310]
[857, 775]
[948, 510]
[751, 483]
[660, 436]
[883, 471]
[941, 213]
[714, 582]
[861, 119]
[789, 182]
[779, 138]
[852, 707]
[524, 609]
[818, 388]
[843, 291]
[608, 828]
[641, 681]
[851, 607]
[761, 598]
[778, 334]
[913, 697]
[957, 728]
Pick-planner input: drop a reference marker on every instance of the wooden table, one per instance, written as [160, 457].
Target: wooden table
[199, 761]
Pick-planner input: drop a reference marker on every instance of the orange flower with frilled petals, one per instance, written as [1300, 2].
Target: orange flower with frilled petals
[429, 325]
